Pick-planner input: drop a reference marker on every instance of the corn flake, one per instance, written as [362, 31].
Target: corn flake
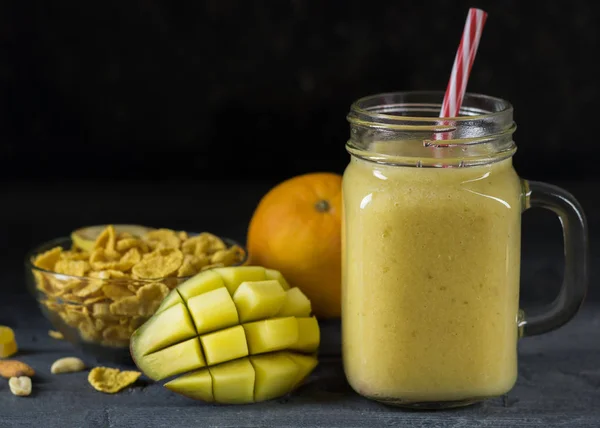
[116, 292]
[74, 315]
[212, 266]
[101, 309]
[64, 284]
[129, 243]
[172, 282]
[75, 255]
[116, 333]
[133, 286]
[150, 296]
[111, 380]
[187, 268]
[51, 305]
[107, 239]
[214, 242]
[92, 300]
[227, 257]
[88, 331]
[103, 260]
[72, 299]
[42, 283]
[132, 256]
[198, 261]
[72, 267]
[162, 238]
[108, 274]
[196, 245]
[100, 325]
[48, 259]
[159, 264]
[92, 287]
[127, 306]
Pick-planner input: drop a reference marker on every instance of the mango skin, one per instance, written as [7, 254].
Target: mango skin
[254, 360]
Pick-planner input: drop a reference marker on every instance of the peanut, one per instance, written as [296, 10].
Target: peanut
[55, 334]
[67, 365]
[20, 386]
[14, 368]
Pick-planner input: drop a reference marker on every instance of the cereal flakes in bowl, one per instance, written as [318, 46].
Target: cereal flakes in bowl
[98, 296]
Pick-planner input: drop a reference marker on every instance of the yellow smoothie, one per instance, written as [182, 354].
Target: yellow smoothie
[430, 281]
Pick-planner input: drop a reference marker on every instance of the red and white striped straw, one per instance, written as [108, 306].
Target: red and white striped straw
[463, 62]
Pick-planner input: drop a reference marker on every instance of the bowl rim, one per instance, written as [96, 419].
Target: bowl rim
[56, 242]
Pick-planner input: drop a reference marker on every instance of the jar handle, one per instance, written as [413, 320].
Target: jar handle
[575, 237]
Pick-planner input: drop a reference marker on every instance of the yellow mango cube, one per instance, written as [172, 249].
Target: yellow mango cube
[257, 300]
[276, 275]
[224, 345]
[296, 304]
[180, 358]
[233, 276]
[276, 374]
[213, 310]
[309, 335]
[271, 335]
[233, 382]
[173, 325]
[306, 364]
[200, 283]
[196, 385]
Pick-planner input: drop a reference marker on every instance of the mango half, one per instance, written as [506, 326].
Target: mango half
[231, 335]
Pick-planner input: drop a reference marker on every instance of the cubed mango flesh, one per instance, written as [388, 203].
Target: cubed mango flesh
[196, 385]
[271, 335]
[257, 300]
[175, 359]
[213, 310]
[233, 382]
[308, 335]
[201, 283]
[306, 364]
[276, 275]
[224, 345]
[233, 276]
[276, 375]
[171, 326]
[296, 304]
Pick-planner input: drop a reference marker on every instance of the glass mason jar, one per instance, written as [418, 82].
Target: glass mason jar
[431, 251]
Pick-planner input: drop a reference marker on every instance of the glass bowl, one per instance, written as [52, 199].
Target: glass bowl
[80, 309]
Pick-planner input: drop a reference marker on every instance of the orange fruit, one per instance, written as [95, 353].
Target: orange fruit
[296, 229]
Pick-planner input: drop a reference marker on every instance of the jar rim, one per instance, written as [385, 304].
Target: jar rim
[404, 128]
[376, 109]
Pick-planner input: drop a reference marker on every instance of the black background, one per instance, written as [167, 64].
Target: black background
[182, 114]
[153, 90]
